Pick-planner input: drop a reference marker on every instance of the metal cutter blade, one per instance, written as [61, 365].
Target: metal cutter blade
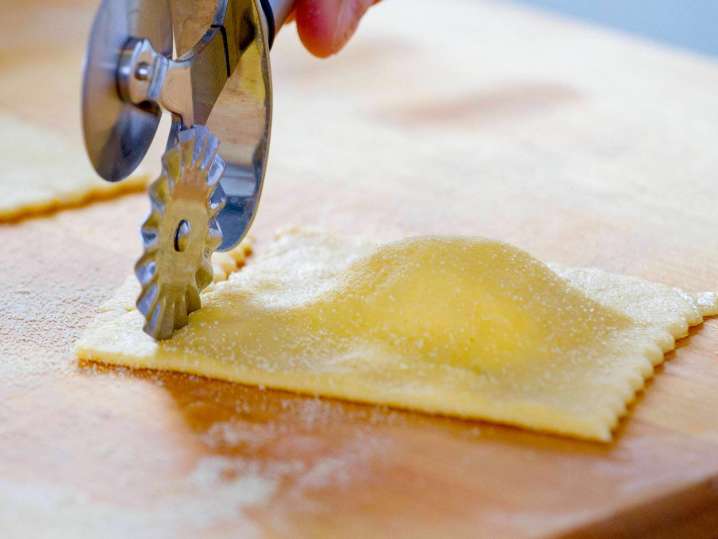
[181, 232]
[117, 133]
[201, 202]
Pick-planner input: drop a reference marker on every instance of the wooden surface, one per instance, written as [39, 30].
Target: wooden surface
[477, 118]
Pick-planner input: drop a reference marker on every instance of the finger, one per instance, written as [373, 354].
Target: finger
[326, 25]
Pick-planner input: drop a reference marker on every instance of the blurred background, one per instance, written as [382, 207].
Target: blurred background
[688, 24]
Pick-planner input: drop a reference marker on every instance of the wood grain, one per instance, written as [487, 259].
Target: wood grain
[580, 146]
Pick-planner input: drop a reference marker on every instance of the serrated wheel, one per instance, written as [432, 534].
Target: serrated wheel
[181, 232]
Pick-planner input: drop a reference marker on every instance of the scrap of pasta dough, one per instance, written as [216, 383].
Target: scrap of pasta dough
[41, 171]
[465, 327]
[225, 263]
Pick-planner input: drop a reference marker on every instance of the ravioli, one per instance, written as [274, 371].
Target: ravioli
[41, 171]
[465, 327]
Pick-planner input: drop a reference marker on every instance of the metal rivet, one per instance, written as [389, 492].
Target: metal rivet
[143, 71]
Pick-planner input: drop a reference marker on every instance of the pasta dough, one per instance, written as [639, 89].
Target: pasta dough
[225, 263]
[466, 327]
[40, 171]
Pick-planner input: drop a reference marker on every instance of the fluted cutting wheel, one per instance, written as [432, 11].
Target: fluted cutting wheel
[181, 232]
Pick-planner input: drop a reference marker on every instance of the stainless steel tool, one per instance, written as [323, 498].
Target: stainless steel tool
[218, 89]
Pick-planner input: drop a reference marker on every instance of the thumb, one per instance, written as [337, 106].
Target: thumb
[326, 25]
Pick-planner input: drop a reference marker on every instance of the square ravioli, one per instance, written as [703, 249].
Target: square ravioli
[465, 327]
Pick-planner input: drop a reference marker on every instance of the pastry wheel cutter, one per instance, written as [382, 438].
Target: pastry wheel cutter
[206, 62]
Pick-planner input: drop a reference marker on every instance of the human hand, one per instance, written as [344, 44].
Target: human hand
[325, 26]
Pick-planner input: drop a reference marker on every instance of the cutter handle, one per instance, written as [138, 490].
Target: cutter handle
[276, 12]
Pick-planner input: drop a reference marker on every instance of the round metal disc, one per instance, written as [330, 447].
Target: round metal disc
[118, 134]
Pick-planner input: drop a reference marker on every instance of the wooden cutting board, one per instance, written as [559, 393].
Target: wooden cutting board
[458, 117]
